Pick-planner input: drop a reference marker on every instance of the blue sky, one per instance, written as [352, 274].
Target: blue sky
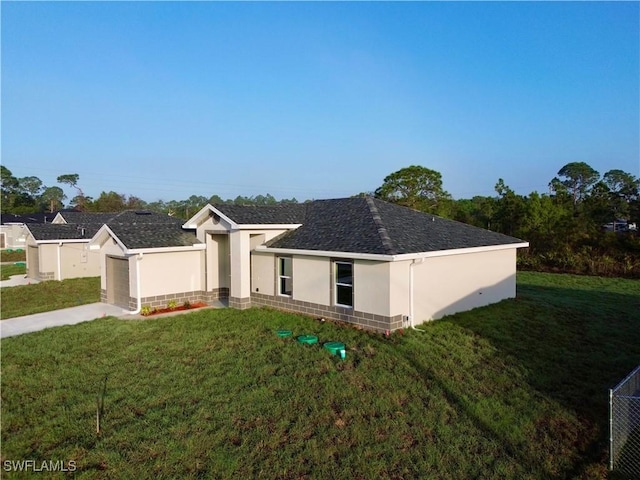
[163, 100]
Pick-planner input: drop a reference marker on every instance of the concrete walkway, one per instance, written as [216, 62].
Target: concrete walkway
[56, 318]
[15, 280]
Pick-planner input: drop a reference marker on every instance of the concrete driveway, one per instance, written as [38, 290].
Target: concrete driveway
[67, 316]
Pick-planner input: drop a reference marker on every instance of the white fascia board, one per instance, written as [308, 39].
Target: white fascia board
[195, 247]
[324, 253]
[62, 240]
[95, 242]
[267, 226]
[192, 223]
[391, 258]
[460, 251]
[58, 217]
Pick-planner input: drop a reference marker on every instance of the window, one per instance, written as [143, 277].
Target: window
[344, 284]
[285, 276]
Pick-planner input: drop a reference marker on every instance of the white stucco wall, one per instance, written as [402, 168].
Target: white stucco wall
[78, 261]
[167, 273]
[241, 243]
[312, 279]
[371, 287]
[49, 258]
[15, 235]
[263, 273]
[456, 283]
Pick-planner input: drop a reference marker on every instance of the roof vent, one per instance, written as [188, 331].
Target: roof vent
[143, 213]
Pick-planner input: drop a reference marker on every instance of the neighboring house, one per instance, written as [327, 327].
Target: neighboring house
[149, 263]
[12, 234]
[358, 260]
[620, 225]
[60, 249]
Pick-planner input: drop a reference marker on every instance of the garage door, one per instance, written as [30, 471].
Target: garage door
[118, 281]
[33, 262]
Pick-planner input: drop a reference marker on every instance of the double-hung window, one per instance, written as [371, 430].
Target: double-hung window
[285, 276]
[343, 272]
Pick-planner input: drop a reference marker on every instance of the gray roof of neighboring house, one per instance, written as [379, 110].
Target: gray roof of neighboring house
[62, 231]
[153, 235]
[281, 214]
[27, 218]
[127, 216]
[372, 226]
[86, 218]
[136, 229]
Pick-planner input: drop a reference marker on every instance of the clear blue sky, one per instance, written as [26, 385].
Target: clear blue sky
[316, 100]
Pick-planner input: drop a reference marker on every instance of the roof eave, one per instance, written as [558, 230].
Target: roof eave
[390, 258]
[267, 226]
[192, 223]
[64, 240]
[182, 248]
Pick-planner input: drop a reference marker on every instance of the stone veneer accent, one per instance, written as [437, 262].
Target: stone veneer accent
[369, 321]
[160, 301]
[43, 276]
[240, 303]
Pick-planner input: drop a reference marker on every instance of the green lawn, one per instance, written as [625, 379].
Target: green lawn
[13, 255]
[516, 390]
[46, 296]
[7, 271]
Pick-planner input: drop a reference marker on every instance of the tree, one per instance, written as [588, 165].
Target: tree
[71, 179]
[510, 209]
[576, 180]
[10, 189]
[415, 187]
[109, 202]
[31, 185]
[53, 197]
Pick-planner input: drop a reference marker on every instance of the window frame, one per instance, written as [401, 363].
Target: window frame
[282, 277]
[337, 284]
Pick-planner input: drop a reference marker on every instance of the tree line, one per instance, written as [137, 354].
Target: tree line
[565, 227]
[26, 195]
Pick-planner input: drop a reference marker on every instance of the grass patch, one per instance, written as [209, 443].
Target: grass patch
[12, 256]
[7, 271]
[47, 296]
[517, 390]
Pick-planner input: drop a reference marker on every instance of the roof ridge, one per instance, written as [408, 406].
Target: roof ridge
[387, 243]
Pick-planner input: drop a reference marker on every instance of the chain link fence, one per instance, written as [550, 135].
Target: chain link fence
[624, 426]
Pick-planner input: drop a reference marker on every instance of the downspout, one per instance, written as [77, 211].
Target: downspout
[59, 262]
[138, 289]
[411, 310]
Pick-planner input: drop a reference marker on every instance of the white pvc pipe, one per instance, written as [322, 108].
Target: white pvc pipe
[411, 310]
[59, 262]
[138, 288]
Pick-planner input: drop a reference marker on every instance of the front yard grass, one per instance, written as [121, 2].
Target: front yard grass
[13, 256]
[47, 296]
[516, 390]
[7, 271]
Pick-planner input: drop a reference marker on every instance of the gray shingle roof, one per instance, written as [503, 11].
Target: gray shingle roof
[153, 235]
[127, 216]
[281, 214]
[86, 218]
[372, 226]
[62, 231]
